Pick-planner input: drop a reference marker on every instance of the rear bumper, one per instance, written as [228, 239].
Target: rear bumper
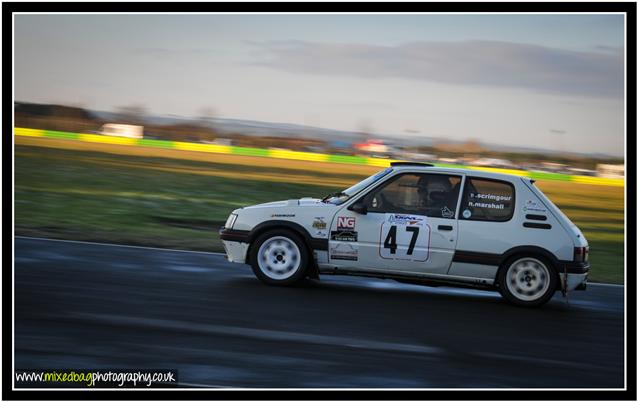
[573, 267]
[574, 281]
[577, 273]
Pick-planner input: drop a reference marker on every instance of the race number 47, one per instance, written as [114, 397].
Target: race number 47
[404, 242]
[391, 239]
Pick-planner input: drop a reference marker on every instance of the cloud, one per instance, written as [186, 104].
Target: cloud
[596, 73]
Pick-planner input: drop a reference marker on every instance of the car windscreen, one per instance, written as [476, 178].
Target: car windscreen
[366, 182]
[342, 196]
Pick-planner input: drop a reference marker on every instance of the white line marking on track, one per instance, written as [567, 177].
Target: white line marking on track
[256, 333]
[613, 285]
[119, 245]
[289, 336]
[547, 362]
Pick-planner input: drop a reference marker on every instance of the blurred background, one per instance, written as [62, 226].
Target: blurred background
[540, 94]
[148, 130]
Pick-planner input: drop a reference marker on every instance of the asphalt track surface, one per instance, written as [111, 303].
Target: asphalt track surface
[80, 305]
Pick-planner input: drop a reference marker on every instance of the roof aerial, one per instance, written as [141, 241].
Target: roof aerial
[410, 164]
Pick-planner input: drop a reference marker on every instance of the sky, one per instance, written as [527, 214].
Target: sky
[532, 80]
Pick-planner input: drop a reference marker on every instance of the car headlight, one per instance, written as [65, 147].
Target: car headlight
[230, 221]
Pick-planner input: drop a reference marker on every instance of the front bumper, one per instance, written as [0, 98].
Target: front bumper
[235, 244]
[235, 251]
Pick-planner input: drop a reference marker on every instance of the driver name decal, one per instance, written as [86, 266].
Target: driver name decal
[493, 201]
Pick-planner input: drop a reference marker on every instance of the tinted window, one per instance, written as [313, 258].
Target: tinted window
[487, 200]
[433, 195]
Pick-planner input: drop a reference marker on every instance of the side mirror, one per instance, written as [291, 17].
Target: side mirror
[359, 207]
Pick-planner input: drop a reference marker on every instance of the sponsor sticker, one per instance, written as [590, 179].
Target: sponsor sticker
[447, 212]
[282, 215]
[319, 222]
[533, 206]
[344, 251]
[344, 235]
[345, 222]
[467, 213]
[400, 219]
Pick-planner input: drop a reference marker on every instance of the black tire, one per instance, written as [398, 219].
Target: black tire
[527, 280]
[278, 263]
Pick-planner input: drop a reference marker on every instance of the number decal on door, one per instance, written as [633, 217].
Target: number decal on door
[415, 234]
[391, 240]
[404, 237]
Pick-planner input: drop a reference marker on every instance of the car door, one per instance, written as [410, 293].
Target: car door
[409, 226]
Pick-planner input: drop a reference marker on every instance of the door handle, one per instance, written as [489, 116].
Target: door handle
[445, 227]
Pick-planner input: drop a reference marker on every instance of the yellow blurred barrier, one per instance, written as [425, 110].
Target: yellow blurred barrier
[296, 155]
[213, 148]
[380, 162]
[598, 181]
[28, 132]
[514, 172]
[105, 139]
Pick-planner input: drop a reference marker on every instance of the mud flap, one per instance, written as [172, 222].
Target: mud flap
[313, 269]
[564, 286]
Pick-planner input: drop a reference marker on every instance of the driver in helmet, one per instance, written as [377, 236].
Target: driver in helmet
[433, 191]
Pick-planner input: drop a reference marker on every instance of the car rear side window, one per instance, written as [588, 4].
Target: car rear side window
[487, 200]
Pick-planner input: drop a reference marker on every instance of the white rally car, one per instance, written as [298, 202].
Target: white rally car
[419, 224]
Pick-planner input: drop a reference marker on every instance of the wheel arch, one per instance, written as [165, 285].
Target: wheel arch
[527, 250]
[293, 227]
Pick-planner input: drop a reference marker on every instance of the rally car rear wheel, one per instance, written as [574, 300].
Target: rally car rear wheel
[279, 257]
[527, 281]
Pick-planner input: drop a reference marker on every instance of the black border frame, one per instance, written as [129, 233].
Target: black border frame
[136, 7]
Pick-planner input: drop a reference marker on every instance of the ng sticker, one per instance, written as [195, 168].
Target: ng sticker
[345, 222]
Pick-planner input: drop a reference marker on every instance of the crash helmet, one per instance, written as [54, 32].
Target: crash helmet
[433, 188]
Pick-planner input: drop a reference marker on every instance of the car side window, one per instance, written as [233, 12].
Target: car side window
[433, 195]
[487, 200]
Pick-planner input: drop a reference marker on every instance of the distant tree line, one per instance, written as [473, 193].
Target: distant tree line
[76, 119]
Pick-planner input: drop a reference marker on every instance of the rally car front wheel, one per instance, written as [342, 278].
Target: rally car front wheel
[528, 281]
[279, 257]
